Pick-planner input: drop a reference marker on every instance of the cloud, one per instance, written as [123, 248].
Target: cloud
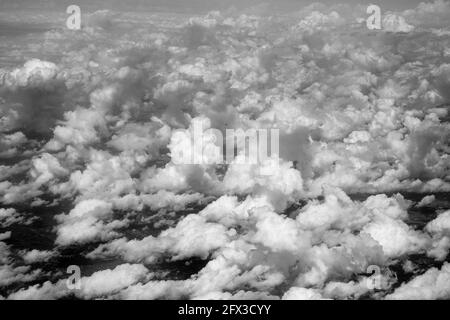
[296, 293]
[192, 237]
[100, 284]
[96, 137]
[433, 284]
[34, 96]
[37, 256]
[85, 223]
[106, 282]
[439, 228]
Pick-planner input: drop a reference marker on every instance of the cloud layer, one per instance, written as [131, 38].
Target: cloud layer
[91, 129]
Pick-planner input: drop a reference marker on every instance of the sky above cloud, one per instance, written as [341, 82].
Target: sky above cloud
[200, 5]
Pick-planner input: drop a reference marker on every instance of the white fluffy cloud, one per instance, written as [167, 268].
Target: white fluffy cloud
[85, 223]
[98, 285]
[433, 284]
[439, 228]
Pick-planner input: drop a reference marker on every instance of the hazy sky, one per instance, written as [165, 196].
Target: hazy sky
[194, 5]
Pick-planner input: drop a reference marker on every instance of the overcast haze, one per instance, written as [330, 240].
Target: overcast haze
[197, 5]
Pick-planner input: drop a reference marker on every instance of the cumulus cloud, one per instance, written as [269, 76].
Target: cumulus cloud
[193, 236]
[433, 284]
[33, 96]
[100, 284]
[37, 256]
[296, 293]
[85, 223]
[9, 216]
[439, 228]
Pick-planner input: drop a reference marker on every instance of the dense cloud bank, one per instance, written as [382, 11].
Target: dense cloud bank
[89, 139]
